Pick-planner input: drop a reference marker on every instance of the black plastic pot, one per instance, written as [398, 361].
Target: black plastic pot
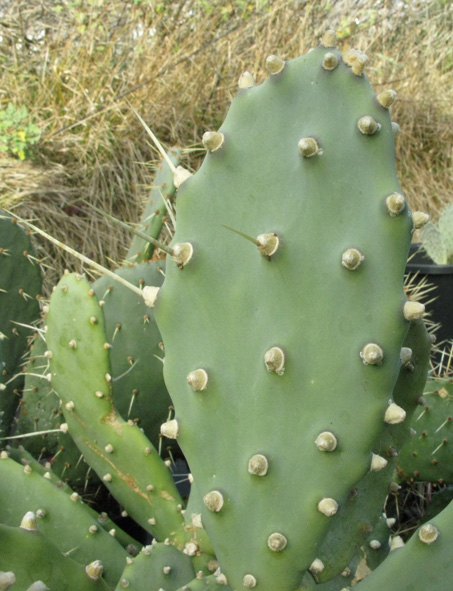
[441, 276]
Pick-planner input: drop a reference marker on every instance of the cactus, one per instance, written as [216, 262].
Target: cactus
[423, 563]
[139, 391]
[268, 325]
[20, 288]
[155, 210]
[138, 387]
[120, 453]
[160, 566]
[427, 456]
[62, 518]
[22, 457]
[293, 357]
[32, 559]
[438, 240]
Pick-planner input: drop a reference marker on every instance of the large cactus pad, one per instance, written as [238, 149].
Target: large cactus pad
[283, 316]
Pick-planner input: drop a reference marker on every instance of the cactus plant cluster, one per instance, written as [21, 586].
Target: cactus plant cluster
[292, 355]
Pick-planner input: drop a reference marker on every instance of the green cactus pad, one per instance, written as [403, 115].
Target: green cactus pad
[20, 288]
[297, 328]
[427, 455]
[62, 518]
[210, 583]
[24, 458]
[139, 390]
[157, 567]
[119, 452]
[155, 210]
[40, 410]
[31, 557]
[423, 563]
[40, 406]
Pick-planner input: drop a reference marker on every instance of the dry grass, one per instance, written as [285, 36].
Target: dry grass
[74, 68]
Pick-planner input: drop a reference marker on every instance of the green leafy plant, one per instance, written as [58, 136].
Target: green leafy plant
[17, 133]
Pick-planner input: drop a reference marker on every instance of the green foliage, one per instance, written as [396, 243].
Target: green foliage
[18, 134]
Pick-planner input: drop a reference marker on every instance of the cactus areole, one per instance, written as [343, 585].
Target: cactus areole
[308, 157]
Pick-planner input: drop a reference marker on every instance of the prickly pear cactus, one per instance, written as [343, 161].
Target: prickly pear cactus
[427, 455]
[138, 386]
[283, 317]
[20, 288]
[139, 391]
[155, 211]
